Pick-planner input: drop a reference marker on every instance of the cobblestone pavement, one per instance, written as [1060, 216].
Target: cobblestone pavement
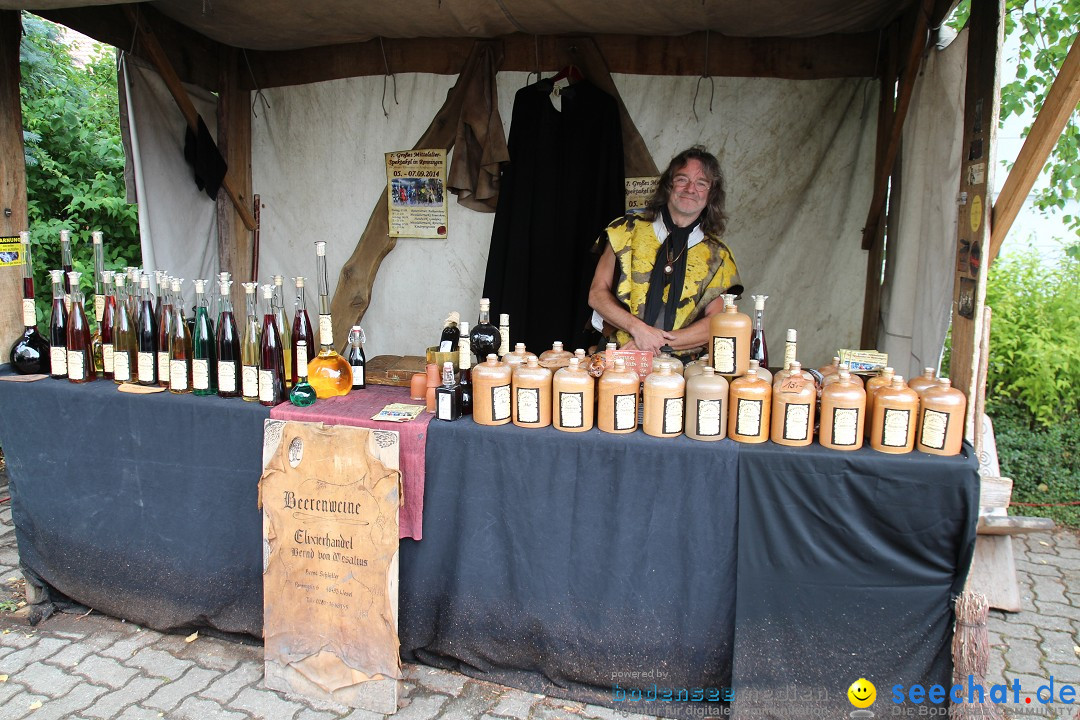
[96, 667]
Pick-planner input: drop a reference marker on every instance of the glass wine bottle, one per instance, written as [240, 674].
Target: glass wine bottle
[283, 326]
[146, 332]
[203, 346]
[228, 344]
[132, 298]
[66, 266]
[758, 349]
[249, 348]
[99, 300]
[465, 366]
[161, 280]
[328, 372]
[302, 394]
[271, 359]
[301, 328]
[125, 343]
[168, 301]
[105, 325]
[179, 343]
[80, 345]
[58, 328]
[504, 334]
[356, 358]
[223, 277]
[30, 353]
[485, 337]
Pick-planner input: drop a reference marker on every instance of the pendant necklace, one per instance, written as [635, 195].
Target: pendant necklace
[670, 267]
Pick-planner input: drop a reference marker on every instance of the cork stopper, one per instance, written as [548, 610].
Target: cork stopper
[557, 345]
[485, 304]
[96, 237]
[200, 285]
[759, 301]
[504, 318]
[792, 335]
[492, 359]
[279, 280]
[299, 280]
[320, 248]
[620, 364]
[176, 283]
[74, 276]
[708, 370]
[65, 236]
[463, 328]
[519, 348]
[250, 287]
[267, 292]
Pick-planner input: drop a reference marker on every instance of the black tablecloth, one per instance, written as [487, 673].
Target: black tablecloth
[140, 506]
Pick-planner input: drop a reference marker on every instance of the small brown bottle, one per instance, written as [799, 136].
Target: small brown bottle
[896, 409]
[749, 409]
[793, 405]
[843, 414]
[531, 387]
[572, 393]
[941, 419]
[706, 405]
[491, 382]
[882, 379]
[665, 392]
[928, 379]
[617, 403]
[729, 345]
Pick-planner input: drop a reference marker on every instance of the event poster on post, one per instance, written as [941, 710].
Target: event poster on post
[639, 190]
[416, 193]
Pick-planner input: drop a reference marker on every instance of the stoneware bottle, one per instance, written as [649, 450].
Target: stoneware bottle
[762, 373]
[928, 379]
[665, 393]
[729, 343]
[843, 414]
[874, 384]
[665, 357]
[531, 387]
[556, 357]
[831, 369]
[517, 357]
[793, 408]
[749, 409]
[617, 399]
[896, 410]
[694, 367]
[491, 382]
[572, 394]
[706, 405]
[941, 419]
[782, 375]
[833, 377]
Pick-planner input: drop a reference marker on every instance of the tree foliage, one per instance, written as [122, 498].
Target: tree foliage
[74, 156]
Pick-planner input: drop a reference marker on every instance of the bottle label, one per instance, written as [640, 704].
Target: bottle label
[789, 354]
[935, 424]
[358, 376]
[504, 342]
[200, 374]
[107, 357]
[29, 313]
[145, 367]
[178, 375]
[226, 372]
[748, 418]
[500, 402]
[796, 421]
[444, 408]
[894, 431]
[162, 366]
[445, 346]
[75, 365]
[528, 405]
[67, 303]
[708, 416]
[250, 381]
[266, 385]
[99, 307]
[122, 366]
[570, 409]
[301, 361]
[723, 354]
[626, 412]
[326, 330]
[845, 426]
[673, 416]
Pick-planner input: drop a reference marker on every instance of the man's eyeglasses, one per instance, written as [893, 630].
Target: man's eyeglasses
[681, 182]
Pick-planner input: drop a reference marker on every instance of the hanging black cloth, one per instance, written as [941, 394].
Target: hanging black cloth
[669, 268]
[563, 185]
[202, 154]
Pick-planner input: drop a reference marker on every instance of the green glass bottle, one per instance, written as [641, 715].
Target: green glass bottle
[203, 346]
[302, 394]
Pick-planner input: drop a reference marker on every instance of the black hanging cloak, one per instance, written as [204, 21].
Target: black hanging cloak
[563, 185]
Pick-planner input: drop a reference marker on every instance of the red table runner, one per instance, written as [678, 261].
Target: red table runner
[356, 409]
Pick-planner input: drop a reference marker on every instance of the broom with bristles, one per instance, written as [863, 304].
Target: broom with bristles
[971, 655]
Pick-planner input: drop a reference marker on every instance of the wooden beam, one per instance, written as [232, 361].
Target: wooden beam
[1059, 105]
[982, 99]
[149, 42]
[234, 141]
[919, 37]
[13, 217]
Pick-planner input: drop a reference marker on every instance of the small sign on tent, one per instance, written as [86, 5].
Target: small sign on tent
[416, 193]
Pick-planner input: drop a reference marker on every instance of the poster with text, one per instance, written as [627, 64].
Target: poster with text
[639, 190]
[416, 193]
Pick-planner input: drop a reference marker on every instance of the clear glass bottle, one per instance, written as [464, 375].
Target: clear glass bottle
[485, 337]
[228, 344]
[66, 266]
[132, 297]
[355, 357]
[125, 343]
[30, 353]
[80, 346]
[161, 282]
[203, 346]
[328, 372]
[284, 328]
[448, 395]
[250, 346]
[301, 328]
[99, 300]
[168, 301]
[222, 295]
[504, 334]
[302, 394]
[179, 344]
[58, 328]
[759, 350]
[271, 359]
[105, 325]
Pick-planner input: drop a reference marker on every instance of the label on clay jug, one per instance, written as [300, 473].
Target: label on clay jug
[528, 405]
[748, 418]
[708, 417]
[500, 402]
[845, 426]
[626, 411]
[570, 409]
[894, 432]
[934, 425]
[673, 419]
[796, 421]
[723, 353]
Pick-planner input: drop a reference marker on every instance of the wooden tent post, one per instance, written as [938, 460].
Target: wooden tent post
[13, 218]
[234, 142]
[981, 109]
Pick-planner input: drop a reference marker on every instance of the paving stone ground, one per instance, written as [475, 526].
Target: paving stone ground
[94, 667]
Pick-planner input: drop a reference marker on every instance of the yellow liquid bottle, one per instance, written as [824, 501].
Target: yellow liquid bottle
[328, 372]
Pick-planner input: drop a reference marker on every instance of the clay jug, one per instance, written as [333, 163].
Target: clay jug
[843, 414]
[572, 393]
[874, 384]
[665, 391]
[896, 410]
[782, 375]
[556, 357]
[531, 387]
[928, 379]
[694, 367]
[665, 357]
[827, 380]
[831, 369]
[749, 408]
[706, 405]
[491, 382]
[729, 345]
[793, 408]
[617, 403]
[517, 357]
[762, 373]
[941, 419]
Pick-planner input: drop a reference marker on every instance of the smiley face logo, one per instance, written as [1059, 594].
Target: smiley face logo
[862, 693]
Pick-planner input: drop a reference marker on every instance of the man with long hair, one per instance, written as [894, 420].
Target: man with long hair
[663, 270]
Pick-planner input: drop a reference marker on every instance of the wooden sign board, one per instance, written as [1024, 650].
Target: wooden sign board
[330, 497]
